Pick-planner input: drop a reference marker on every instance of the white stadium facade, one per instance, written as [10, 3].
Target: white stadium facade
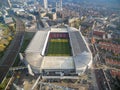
[58, 67]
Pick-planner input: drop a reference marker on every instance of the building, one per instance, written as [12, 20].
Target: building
[9, 3]
[58, 67]
[110, 47]
[99, 34]
[71, 21]
[8, 20]
[59, 6]
[42, 14]
[46, 4]
[52, 15]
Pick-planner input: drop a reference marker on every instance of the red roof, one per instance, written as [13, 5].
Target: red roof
[115, 73]
[110, 47]
[98, 33]
[112, 62]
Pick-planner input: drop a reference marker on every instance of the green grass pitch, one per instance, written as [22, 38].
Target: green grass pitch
[59, 47]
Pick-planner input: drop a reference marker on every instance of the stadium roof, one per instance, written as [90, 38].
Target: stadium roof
[81, 53]
[34, 59]
[81, 58]
[52, 62]
[77, 42]
[38, 42]
[59, 30]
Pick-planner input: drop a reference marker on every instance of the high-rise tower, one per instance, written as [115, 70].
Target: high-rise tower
[46, 4]
[9, 3]
[61, 5]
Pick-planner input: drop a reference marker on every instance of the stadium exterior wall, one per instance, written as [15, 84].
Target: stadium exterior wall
[79, 71]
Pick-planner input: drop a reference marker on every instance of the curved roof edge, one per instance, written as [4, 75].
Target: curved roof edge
[82, 61]
[34, 59]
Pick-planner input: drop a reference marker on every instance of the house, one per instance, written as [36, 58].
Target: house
[8, 20]
[99, 34]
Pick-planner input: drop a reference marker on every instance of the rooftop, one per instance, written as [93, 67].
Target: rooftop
[59, 30]
[37, 42]
[55, 62]
[77, 42]
[8, 20]
[81, 58]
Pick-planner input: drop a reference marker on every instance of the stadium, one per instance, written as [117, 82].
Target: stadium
[58, 53]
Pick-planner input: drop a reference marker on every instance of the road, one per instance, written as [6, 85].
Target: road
[13, 50]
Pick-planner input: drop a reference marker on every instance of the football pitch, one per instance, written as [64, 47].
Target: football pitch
[59, 47]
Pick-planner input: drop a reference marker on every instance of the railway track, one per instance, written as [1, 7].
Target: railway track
[14, 48]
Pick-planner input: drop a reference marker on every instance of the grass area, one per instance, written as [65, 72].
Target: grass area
[26, 41]
[5, 82]
[59, 47]
[28, 37]
[3, 85]
[25, 44]
[17, 61]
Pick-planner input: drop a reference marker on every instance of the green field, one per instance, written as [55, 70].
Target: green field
[59, 47]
